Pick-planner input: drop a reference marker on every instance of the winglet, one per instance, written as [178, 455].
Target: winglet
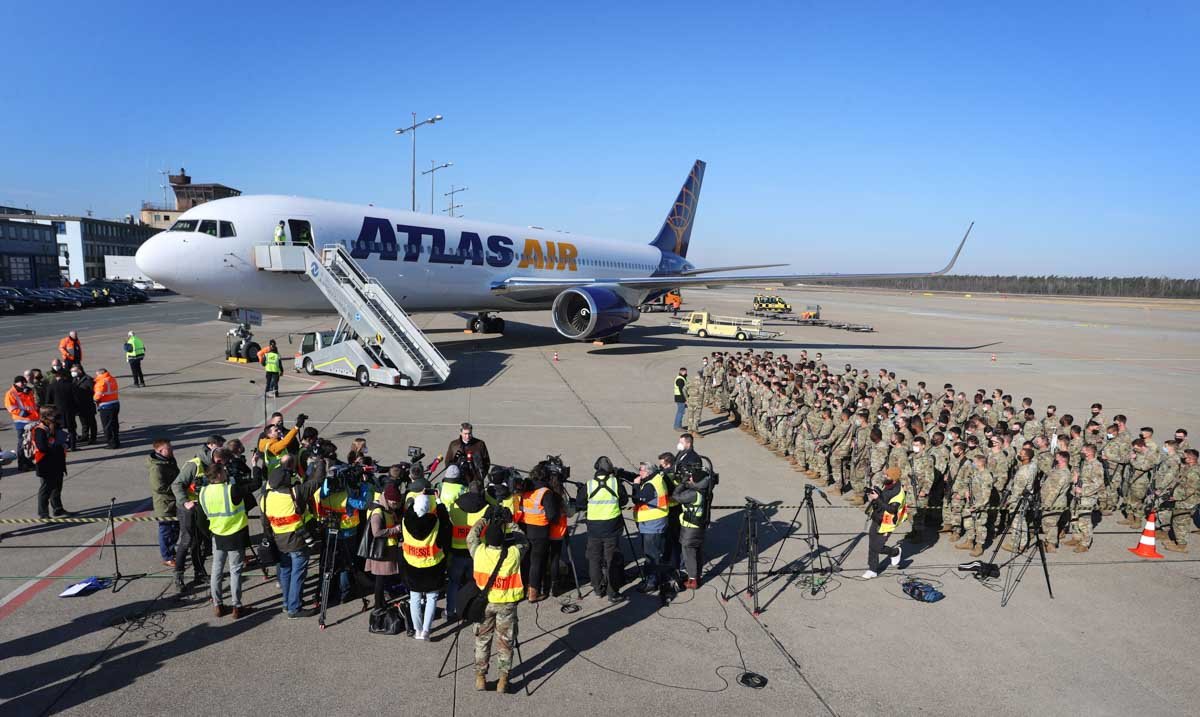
[957, 251]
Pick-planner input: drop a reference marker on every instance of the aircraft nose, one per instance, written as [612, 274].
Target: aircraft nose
[156, 260]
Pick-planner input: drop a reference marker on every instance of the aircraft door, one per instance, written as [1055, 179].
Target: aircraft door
[301, 232]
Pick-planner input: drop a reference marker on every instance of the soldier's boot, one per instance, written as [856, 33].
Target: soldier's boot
[1009, 547]
[502, 683]
[1073, 540]
[794, 460]
[945, 529]
[1081, 548]
[1049, 547]
[855, 500]
[481, 681]
[1175, 547]
[977, 550]
[966, 544]
[1160, 534]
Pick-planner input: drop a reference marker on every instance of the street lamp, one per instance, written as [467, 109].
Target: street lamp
[430, 172]
[412, 129]
[451, 194]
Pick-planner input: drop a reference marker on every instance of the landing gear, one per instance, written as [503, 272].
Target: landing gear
[240, 344]
[486, 323]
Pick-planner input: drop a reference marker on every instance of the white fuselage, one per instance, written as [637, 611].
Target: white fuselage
[433, 264]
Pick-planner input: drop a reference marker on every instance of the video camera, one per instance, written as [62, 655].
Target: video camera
[555, 466]
[346, 476]
[415, 454]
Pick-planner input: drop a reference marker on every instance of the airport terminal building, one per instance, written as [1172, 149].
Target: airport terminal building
[81, 243]
[28, 251]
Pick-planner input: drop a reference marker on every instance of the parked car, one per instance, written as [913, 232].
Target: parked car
[40, 302]
[15, 301]
[73, 300]
[104, 295]
[58, 300]
[84, 295]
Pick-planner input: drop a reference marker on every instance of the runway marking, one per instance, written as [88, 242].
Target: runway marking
[315, 384]
[11, 602]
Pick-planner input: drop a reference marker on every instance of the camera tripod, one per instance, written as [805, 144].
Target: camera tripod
[747, 545]
[329, 564]
[1030, 506]
[817, 559]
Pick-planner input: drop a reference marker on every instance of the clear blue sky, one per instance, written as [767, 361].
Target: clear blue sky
[838, 136]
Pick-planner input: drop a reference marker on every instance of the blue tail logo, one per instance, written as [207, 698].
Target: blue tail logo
[676, 231]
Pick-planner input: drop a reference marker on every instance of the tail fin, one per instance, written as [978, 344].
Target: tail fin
[676, 231]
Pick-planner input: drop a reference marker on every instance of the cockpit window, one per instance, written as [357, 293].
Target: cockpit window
[227, 230]
[184, 225]
[208, 226]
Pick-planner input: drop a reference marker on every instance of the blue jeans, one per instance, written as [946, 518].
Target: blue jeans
[460, 570]
[421, 607]
[654, 546]
[168, 535]
[679, 409]
[234, 560]
[292, 567]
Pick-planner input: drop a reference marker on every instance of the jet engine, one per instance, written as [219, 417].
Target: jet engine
[591, 312]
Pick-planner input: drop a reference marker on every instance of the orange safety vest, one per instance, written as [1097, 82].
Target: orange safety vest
[532, 510]
[558, 529]
[104, 389]
[421, 553]
[70, 349]
[508, 587]
[15, 401]
[280, 509]
[38, 455]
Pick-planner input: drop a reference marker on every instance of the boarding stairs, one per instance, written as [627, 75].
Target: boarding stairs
[365, 306]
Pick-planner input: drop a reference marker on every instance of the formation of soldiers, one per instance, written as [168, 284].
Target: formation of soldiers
[972, 467]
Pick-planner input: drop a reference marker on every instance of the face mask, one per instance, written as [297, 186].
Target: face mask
[1165, 450]
[1109, 435]
[679, 446]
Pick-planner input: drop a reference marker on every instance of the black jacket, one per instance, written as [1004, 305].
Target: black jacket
[54, 462]
[686, 457]
[685, 493]
[881, 505]
[62, 394]
[427, 580]
[84, 402]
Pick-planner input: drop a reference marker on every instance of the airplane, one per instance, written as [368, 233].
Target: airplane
[591, 286]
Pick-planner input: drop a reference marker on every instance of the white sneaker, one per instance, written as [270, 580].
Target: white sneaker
[421, 635]
[896, 557]
[870, 574]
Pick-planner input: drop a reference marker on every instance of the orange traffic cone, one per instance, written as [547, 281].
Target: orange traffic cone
[993, 357]
[1145, 546]
[555, 357]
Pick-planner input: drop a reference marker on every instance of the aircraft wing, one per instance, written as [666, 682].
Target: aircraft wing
[521, 287]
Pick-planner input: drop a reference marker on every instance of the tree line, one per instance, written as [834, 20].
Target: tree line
[1157, 287]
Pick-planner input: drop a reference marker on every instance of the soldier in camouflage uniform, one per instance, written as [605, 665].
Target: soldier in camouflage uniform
[695, 404]
[959, 477]
[822, 445]
[1115, 459]
[859, 457]
[1089, 484]
[1054, 499]
[922, 484]
[1162, 483]
[1142, 463]
[500, 615]
[839, 450]
[1022, 480]
[1185, 494]
[978, 492]
[720, 393]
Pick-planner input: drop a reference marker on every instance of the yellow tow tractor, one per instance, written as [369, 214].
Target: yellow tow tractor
[764, 302]
[704, 324]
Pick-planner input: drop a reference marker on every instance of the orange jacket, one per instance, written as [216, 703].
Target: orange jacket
[104, 389]
[70, 349]
[16, 401]
[275, 448]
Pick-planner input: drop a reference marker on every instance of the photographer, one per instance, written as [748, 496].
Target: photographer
[693, 494]
[651, 498]
[339, 501]
[192, 533]
[501, 550]
[223, 502]
[275, 443]
[540, 509]
[887, 509]
[470, 450]
[310, 450]
[452, 485]
[285, 507]
[163, 469]
[425, 533]
[465, 511]
[603, 497]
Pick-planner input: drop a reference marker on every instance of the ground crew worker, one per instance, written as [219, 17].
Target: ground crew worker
[465, 511]
[135, 350]
[680, 387]
[273, 367]
[104, 393]
[603, 497]
[70, 350]
[498, 553]
[886, 506]
[224, 504]
[693, 494]
[50, 463]
[651, 499]
[280, 234]
[285, 507]
[21, 405]
[186, 491]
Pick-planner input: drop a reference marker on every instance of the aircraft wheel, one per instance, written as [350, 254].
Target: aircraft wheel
[495, 326]
[477, 325]
[252, 350]
[308, 367]
[363, 376]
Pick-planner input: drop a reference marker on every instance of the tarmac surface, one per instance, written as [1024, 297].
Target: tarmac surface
[1116, 639]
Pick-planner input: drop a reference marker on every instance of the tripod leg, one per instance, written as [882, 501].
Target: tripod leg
[737, 553]
[752, 551]
[783, 541]
[574, 570]
[453, 649]
[633, 551]
[329, 560]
